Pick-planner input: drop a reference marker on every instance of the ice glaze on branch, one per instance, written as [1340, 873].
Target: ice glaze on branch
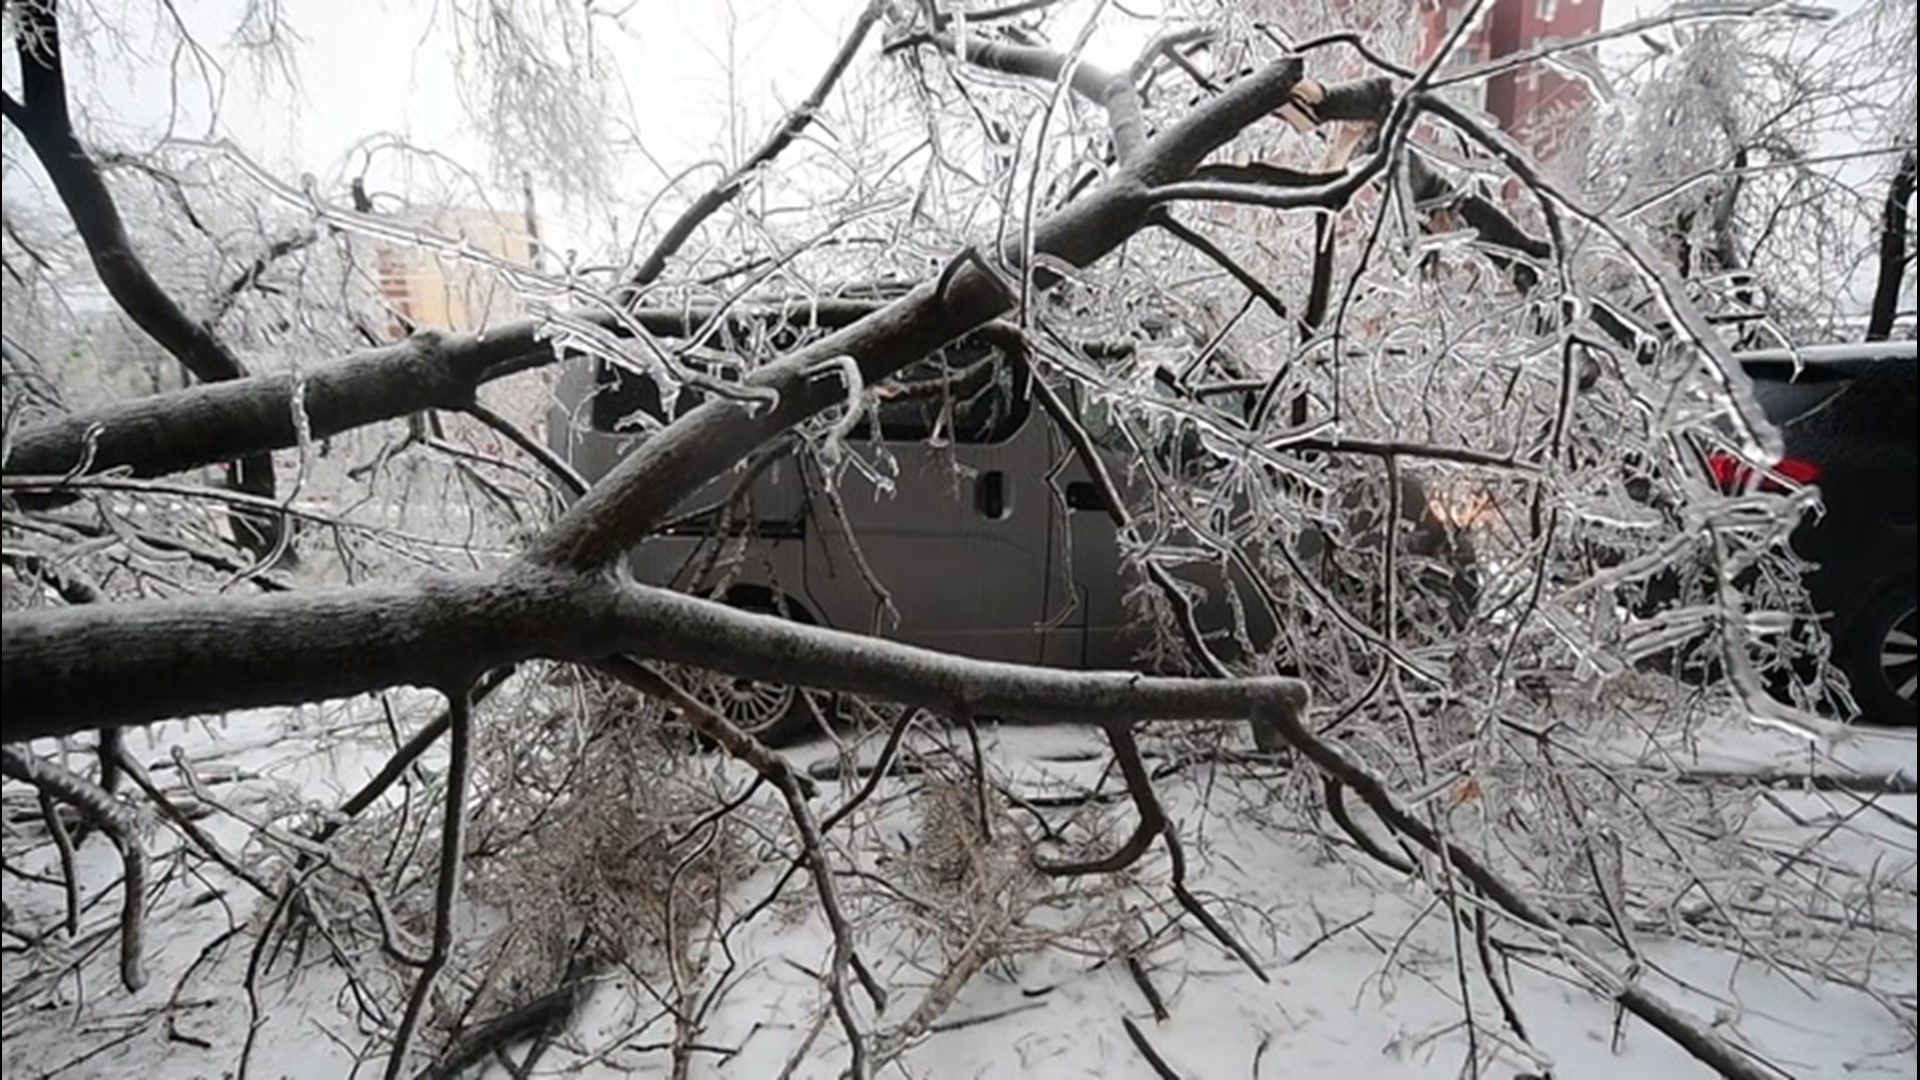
[44, 118]
[69, 669]
[172, 432]
[645, 487]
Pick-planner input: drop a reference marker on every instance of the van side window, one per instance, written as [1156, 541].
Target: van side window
[966, 394]
[621, 397]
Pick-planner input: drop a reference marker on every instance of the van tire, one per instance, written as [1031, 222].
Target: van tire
[776, 715]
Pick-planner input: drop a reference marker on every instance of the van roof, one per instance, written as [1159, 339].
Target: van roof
[1841, 353]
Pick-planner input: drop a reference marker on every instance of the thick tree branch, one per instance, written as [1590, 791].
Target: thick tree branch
[1259, 172]
[1893, 252]
[44, 119]
[173, 432]
[1090, 81]
[70, 669]
[1361, 100]
[1326, 195]
[649, 483]
[167, 433]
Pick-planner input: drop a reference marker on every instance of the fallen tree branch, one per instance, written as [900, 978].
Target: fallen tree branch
[111, 818]
[127, 663]
[1139, 1039]
[404, 756]
[532, 447]
[649, 483]
[543, 1015]
[446, 893]
[186, 429]
[1690, 1034]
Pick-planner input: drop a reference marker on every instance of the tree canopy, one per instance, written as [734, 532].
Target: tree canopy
[1307, 318]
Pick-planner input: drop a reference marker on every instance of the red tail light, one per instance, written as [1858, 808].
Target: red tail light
[1732, 473]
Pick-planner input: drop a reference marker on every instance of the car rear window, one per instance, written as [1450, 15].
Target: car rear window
[1785, 401]
[1876, 396]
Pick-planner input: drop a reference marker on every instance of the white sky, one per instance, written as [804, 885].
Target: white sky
[368, 67]
[680, 66]
[692, 81]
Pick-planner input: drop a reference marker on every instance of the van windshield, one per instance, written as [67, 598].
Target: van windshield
[967, 393]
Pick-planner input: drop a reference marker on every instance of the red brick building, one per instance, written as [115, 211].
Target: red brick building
[1530, 101]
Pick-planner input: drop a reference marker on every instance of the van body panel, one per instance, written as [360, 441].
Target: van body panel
[996, 546]
[960, 545]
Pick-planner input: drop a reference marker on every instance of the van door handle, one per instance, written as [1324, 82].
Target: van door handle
[990, 495]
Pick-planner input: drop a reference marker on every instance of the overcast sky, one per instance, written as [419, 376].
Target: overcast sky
[372, 66]
[689, 82]
[679, 72]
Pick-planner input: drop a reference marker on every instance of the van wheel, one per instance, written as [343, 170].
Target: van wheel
[775, 714]
[1879, 659]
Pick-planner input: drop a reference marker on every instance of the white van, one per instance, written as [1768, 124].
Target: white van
[991, 542]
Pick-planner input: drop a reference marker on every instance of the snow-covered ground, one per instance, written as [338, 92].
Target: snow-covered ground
[1361, 961]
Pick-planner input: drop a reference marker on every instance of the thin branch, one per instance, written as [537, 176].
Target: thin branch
[63, 847]
[556, 466]
[729, 188]
[446, 894]
[1139, 1039]
[1199, 242]
[1335, 797]
[403, 758]
[1690, 1034]
[105, 812]
[277, 250]
[173, 812]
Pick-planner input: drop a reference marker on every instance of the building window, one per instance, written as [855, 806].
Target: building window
[1549, 9]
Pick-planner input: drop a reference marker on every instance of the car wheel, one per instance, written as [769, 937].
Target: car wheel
[1880, 661]
[775, 714]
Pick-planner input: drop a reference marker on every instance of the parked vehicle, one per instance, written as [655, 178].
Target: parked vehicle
[1848, 418]
[980, 548]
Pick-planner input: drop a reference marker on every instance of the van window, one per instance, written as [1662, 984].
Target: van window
[622, 397]
[968, 393]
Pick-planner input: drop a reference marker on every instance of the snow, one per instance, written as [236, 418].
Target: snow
[1364, 980]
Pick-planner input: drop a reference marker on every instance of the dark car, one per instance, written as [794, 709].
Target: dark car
[1847, 415]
